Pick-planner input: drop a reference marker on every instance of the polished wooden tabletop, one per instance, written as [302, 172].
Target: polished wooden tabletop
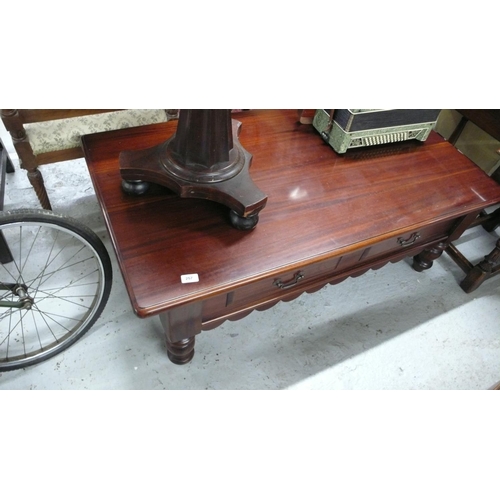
[320, 204]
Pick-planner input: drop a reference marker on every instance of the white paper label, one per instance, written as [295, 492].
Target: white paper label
[189, 278]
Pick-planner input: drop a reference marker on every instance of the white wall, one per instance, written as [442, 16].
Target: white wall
[7, 142]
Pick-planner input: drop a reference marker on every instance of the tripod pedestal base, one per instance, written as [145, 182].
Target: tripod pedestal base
[228, 182]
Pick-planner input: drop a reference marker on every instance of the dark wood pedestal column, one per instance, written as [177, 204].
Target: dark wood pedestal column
[203, 159]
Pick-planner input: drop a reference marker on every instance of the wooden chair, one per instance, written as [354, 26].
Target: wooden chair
[489, 121]
[44, 136]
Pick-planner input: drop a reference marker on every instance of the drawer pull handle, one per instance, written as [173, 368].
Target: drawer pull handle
[404, 243]
[296, 278]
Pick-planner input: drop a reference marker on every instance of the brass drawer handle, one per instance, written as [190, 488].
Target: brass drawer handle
[404, 243]
[296, 278]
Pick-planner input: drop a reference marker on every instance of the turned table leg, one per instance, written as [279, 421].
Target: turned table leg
[181, 325]
[425, 259]
[181, 352]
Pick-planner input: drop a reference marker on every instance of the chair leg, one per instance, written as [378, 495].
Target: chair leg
[27, 159]
[36, 179]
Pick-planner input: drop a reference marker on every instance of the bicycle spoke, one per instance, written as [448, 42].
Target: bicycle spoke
[8, 336]
[52, 273]
[22, 332]
[52, 316]
[77, 281]
[37, 330]
[47, 294]
[70, 302]
[13, 278]
[48, 261]
[45, 316]
[11, 329]
[29, 251]
[62, 267]
[8, 312]
[57, 283]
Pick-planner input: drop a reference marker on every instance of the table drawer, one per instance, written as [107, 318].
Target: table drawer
[272, 288]
[286, 285]
[409, 239]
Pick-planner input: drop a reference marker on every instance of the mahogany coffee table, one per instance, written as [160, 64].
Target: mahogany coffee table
[328, 216]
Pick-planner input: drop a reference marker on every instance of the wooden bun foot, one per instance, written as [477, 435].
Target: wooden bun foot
[135, 187]
[181, 352]
[243, 223]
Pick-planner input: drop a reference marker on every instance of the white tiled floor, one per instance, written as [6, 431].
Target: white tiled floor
[389, 329]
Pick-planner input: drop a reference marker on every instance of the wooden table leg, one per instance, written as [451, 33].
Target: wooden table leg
[424, 259]
[482, 271]
[181, 325]
[493, 221]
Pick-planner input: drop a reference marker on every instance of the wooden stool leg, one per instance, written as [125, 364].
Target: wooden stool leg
[481, 272]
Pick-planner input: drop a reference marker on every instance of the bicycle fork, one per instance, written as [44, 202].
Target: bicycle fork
[24, 302]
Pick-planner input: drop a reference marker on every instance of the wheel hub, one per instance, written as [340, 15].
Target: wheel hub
[22, 292]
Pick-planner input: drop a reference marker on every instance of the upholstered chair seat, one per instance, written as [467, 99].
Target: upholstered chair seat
[56, 135]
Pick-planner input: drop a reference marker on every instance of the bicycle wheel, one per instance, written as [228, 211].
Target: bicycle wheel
[55, 280]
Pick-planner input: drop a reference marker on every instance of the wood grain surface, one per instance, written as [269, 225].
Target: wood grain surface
[320, 205]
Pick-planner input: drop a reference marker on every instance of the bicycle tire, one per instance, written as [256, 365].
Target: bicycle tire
[56, 276]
